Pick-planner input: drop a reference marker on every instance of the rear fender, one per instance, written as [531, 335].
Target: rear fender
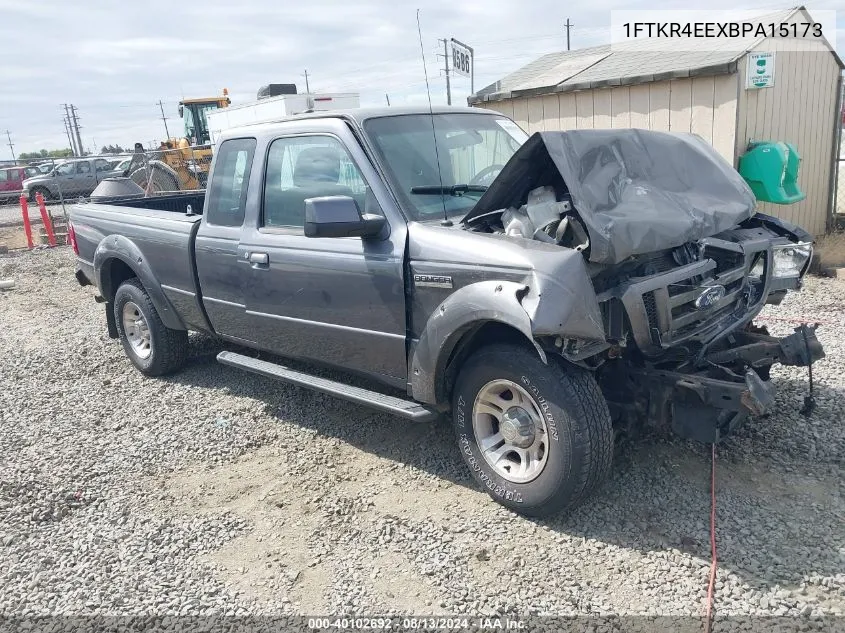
[118, 247]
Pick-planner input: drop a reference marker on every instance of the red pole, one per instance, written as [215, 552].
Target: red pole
[26, 226]
[45, 219]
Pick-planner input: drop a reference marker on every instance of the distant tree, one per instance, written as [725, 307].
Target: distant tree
[52, 153]
[112, 149]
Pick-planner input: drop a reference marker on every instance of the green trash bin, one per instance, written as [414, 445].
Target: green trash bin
[771, 170]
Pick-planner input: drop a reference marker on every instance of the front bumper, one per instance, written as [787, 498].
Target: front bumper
[707, 405]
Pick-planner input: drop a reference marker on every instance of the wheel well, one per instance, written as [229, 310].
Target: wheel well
[115, 273]
[475, 337]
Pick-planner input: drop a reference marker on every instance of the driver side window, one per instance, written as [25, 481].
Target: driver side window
[303, 167]
[65, 170]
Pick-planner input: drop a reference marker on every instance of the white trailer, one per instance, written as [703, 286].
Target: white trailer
[275, 108]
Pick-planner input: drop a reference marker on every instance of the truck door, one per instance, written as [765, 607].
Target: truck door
[340, 301]
[85, 181]
[221, 277]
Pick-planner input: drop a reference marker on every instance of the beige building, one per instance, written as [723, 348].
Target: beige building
[703, 92]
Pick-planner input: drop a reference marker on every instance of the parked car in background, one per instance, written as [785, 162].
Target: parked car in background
[123, 164]
[72, 178]
[12, 179]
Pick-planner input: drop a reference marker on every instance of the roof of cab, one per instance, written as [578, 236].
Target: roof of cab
[358, 115]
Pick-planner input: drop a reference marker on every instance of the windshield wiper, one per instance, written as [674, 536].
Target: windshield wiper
[452, 190]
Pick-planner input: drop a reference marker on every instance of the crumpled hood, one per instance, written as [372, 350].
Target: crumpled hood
[636, 191]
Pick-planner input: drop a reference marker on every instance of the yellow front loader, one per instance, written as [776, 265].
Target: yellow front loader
[181, 163]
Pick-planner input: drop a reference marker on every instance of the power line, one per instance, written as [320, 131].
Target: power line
[69, 128]
[446, 68]
[76, 130]
[69, 139]
[164, 118]
[12, 147]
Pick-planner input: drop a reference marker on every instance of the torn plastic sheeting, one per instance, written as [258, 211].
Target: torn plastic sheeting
[637, 191]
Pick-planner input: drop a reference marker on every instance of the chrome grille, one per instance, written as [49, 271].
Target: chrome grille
[662, 308]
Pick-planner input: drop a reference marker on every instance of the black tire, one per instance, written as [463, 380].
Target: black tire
[160, 179]
[579, 438]
[167, 348]
[42, 190]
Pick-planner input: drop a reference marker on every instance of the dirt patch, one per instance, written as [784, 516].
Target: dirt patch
[12, 237]
[830, 251]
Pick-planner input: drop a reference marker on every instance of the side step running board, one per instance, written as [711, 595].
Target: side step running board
[390, 404]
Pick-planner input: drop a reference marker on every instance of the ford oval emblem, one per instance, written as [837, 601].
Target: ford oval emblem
[709, 297]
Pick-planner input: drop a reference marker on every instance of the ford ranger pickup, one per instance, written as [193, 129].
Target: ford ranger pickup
[547, 292]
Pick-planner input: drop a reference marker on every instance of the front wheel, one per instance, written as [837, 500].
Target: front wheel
[153, 348]
[45, 193]
[537, 437]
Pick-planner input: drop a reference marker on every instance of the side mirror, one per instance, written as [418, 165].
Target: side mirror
[339, 216]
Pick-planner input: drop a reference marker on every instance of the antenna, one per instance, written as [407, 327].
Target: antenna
[446, 221]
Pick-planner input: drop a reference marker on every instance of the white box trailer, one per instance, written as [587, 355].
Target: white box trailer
[275, 108]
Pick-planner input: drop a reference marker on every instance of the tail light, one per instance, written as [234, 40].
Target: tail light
[71, 238]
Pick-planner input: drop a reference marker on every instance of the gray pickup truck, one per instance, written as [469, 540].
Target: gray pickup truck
[70, 179]
[547, 292]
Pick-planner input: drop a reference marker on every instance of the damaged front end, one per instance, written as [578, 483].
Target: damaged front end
[680, 263]
[693, 360]
[708, 403]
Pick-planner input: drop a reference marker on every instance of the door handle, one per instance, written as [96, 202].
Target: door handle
[259, 258]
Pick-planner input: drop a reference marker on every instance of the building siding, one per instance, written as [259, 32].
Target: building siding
[798, 109]
[703, 105]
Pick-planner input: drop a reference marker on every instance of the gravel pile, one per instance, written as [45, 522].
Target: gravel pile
[217, 492]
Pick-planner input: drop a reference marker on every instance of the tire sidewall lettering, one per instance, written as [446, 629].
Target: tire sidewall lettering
[545, 407]
[477, 466]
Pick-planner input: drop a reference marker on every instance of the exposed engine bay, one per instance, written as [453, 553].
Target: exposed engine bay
[545, 218]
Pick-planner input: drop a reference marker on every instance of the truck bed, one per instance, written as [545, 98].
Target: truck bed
[176, 202]
[156, 236]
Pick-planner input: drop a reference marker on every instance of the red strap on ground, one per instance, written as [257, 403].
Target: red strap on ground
[708, 618]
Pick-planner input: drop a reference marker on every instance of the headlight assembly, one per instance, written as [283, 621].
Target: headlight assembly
[790, 259]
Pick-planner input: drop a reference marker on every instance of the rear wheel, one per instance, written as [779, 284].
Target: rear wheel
[158, 179]
[537, 437]
[152, 347]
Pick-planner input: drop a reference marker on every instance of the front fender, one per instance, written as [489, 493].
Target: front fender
[123, 249]
[498, 301]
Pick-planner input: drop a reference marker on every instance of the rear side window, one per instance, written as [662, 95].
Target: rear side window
[227, 196]
[4, 175]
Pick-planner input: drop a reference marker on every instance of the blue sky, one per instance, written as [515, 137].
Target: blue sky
[115, 60]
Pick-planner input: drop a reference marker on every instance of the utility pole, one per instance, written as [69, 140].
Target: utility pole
[307, 87]
[69, 130]
[76, 130]
[163, 118]
[446, 61]
[568, 26]
[12, 147]
[387, 98]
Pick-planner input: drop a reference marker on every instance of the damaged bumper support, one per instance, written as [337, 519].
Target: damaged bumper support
[707, 405]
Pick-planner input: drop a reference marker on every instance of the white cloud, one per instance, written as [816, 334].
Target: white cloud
[114, 61]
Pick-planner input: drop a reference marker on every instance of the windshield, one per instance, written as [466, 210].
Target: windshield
[473, 148]
[196, 125]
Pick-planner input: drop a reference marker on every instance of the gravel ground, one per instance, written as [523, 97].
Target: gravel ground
[217, 492]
